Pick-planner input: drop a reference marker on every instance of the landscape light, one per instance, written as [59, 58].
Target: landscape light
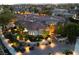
[52, 45]
[28, 41]
[59, 53]
[42, 47]
[27, 49]
[25, 30]
[18, 53]
[10, 45]
[6, 40]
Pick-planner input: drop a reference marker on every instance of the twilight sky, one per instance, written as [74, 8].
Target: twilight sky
[37, 1]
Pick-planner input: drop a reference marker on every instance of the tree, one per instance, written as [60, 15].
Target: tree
[47, 11]
[71, 31]
[34, 9]
[6, 15]
[59, 29]
[45, 33]
[38, 38]
[73, 20]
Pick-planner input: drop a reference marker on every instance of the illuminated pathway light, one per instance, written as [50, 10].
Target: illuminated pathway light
[49, 39]
[25, 30]
[10, 45]
[75, 53]
[6, 40]
[18, 37]
[43, 41]
[18, 53]
[42, 47]
[59, 53]
[28, 41]
[52, 45]
[27, 49]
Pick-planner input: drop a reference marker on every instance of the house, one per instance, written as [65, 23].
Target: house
[34, 23]
[62, 12]
[59, 11]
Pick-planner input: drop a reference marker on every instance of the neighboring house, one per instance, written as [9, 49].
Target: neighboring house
[55, 20]
[62, 12]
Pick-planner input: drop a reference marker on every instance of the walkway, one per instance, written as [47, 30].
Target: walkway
[76, 50]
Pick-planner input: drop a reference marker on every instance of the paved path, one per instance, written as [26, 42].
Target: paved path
[58, 48]
[9, 49]
[76, 50]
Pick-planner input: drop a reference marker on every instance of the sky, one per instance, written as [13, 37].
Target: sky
[37, 1]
